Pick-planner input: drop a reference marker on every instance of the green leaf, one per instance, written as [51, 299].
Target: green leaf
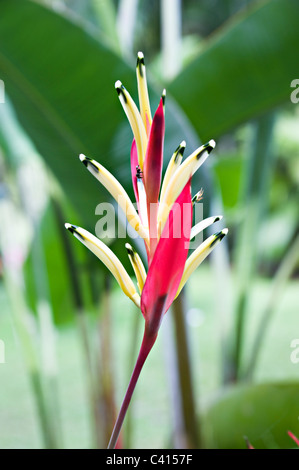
[61, 82]
[52, 270]
[227, 168]
[246, 69]
[263, 413]
[106, 17]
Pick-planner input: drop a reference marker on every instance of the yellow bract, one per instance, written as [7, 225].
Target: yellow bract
[118, 192]
[138, 266]
[144, 104]
[203, 224]
[135, 121]
[173, 165]
[199, 255]
[180, 179]
[108, 258]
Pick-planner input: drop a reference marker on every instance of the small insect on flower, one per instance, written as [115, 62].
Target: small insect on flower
[139, 173]
[163, 220]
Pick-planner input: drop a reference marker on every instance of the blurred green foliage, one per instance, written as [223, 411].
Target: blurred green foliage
[248, 410]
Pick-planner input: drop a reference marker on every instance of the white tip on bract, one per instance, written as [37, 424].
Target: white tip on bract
[225, 231]
[82, 157]
[203, 224]
[140, 55]
[183, 143]
[67, 226]
[212, 143]
[118, 84]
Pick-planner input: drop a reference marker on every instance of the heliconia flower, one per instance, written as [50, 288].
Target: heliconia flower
[164, 220]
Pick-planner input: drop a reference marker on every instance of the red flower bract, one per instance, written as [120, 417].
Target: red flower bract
[166, 269]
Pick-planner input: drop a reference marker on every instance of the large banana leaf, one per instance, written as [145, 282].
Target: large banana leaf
[60, 79]
[245, 69]
[263, 413]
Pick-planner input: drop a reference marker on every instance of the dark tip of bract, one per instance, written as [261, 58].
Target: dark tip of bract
[120, 90]
[163, 97]
[140, 58]
[70, 227]
[140, 62]
[208, 147]
[179, 151]
[219, 236]
[88, 162]
[74, 230]
[177, 156]
[129, 249]
[182, 150]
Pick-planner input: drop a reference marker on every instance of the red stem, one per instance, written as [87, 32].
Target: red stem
[147, 344]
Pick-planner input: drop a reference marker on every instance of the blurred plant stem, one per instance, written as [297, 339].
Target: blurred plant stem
[257, 171]
[106, 401]
[222, 277]
[47, 337]
[137, 323]
[185, 374]
[98, 360]
[106, 15]
[126, 19]
[28, 172]
[82, 323]
[283, 273]
[171, 37]
[183, 404]
[21, 321]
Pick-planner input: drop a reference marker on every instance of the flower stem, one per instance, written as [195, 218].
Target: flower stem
[257, 172]
[147, 344]
[191, 427]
